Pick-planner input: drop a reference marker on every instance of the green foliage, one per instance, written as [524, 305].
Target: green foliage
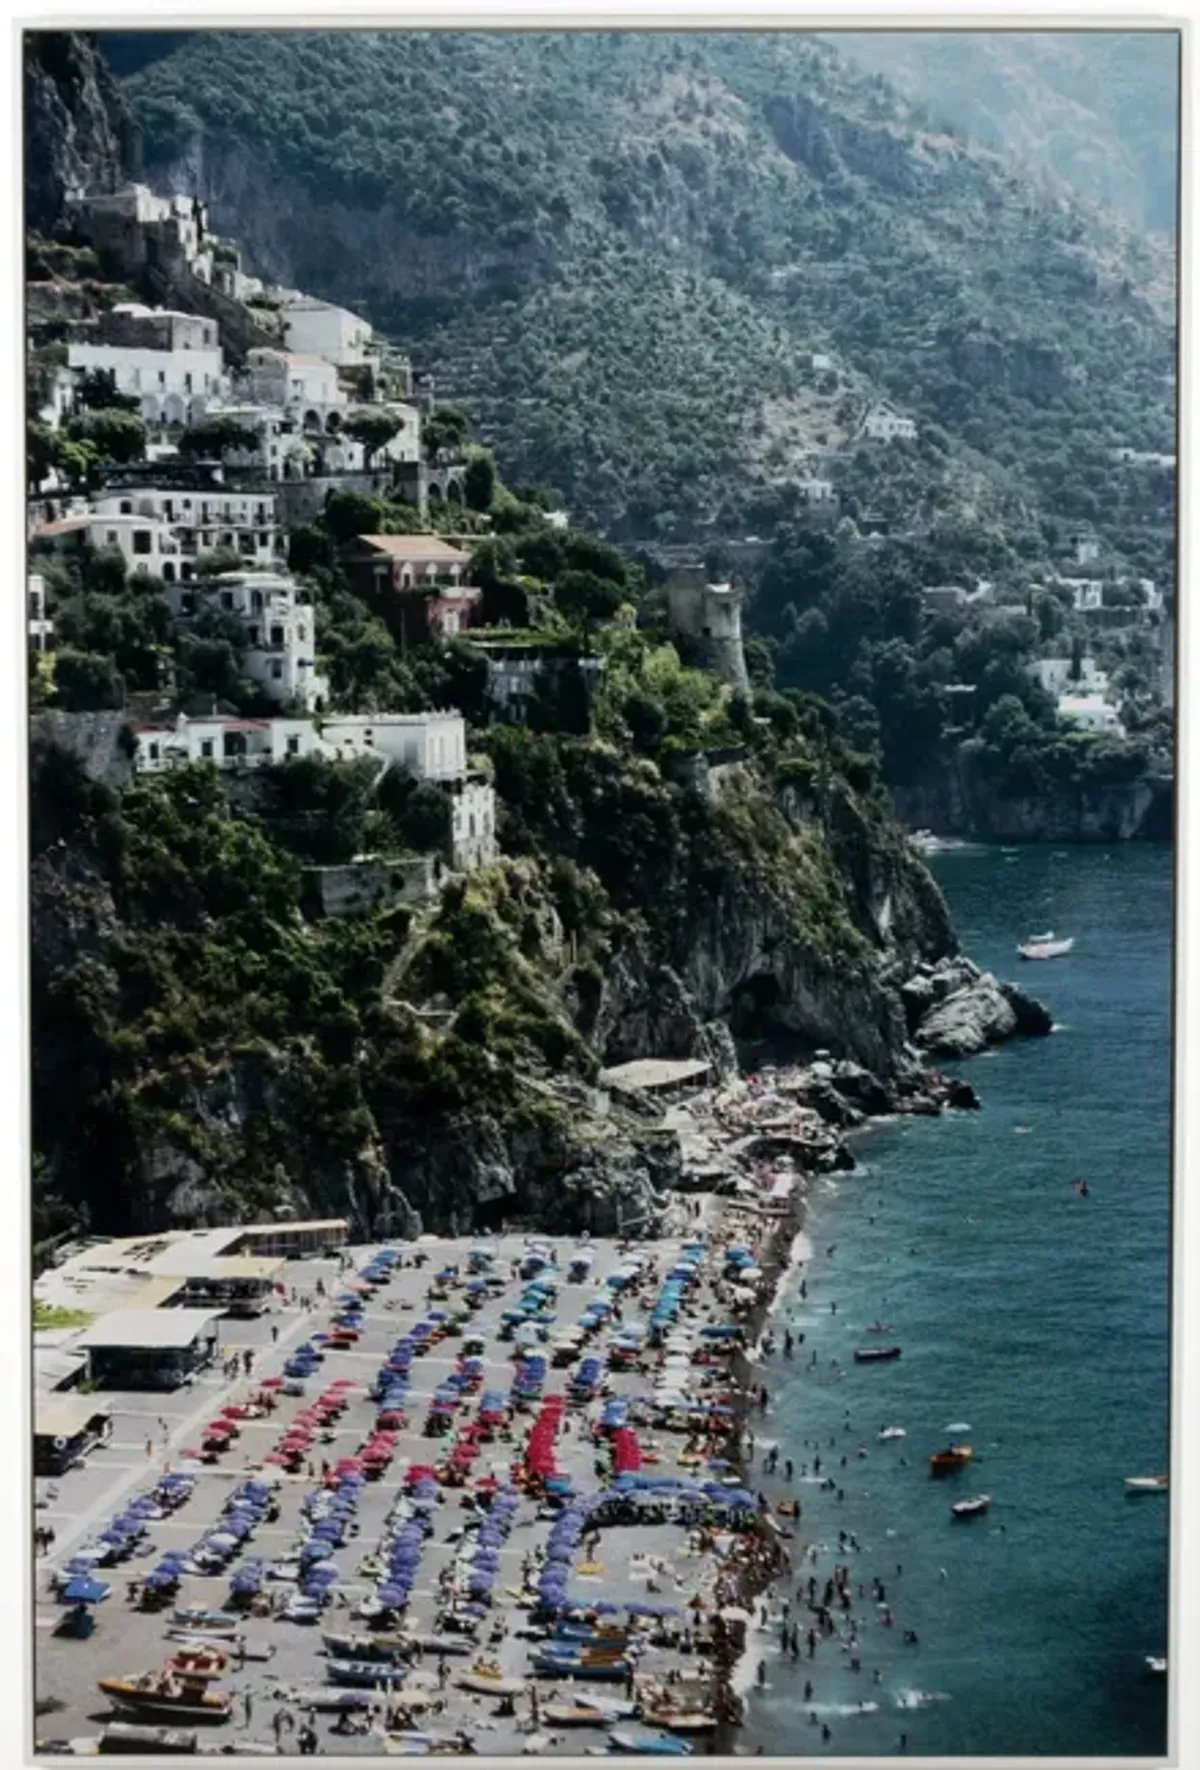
[86, 681]
[479, 482]
[372, 427]
[115, 434]
[96, 391]
[214, 437]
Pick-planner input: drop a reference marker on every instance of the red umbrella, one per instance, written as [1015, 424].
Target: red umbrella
[220, 1429]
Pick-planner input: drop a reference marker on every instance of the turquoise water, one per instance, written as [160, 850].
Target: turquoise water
[1039, 1317]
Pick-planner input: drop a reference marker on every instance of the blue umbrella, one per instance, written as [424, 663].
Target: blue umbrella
[85, 1591]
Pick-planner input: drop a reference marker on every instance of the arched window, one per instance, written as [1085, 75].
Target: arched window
[168, 571]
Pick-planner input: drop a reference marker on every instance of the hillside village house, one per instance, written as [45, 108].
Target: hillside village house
[171, 363]
[278, 626]
[318, 328]
[300, 384]
[203, 520]
[39, 629]
[1091, 712]
[1087, 594]
[1055, 676]
[419, 579]
[147, 545]
[432, 746]
[884, 426]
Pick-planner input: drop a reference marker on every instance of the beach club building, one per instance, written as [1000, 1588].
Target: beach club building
[150, 1348]
[65, 1428]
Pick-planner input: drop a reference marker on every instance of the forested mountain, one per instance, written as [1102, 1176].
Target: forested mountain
[621, 252]
[1097, 109]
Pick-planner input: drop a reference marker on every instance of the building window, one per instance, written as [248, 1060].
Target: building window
[256, 601]
[141, 541]
[126, 506]
[277, 671]
[277, 636]
[153, 752]
[227, 599]
[110, 537]
[168, 572]
[206, 747]
[293, 746]
[300, 635]
[185, 572]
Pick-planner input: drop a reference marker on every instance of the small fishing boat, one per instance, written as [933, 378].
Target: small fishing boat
[382, 1647]
[874, 1354]
[892, 1432]
[165, 1693]
[1156, 1666]
[658, 1745]
[1146, 1483]
[955, 1456]
[327, 1699]
[681, 1720]
[577, 1714]
[972, 1508]
[1045, 949]
[207, 1622]
[879, 1327]
[486, 1679]
[198, 1662]
[128, 1739]
[615, 1670]
[362, 1674]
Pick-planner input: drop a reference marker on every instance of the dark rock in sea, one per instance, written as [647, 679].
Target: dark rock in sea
[961, 1095]
[967, 1010]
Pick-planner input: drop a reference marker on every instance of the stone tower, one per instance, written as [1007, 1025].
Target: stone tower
[706, 624]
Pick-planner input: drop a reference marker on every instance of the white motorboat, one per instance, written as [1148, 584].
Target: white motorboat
[892, 1432]
[1045, 949]
[1146, 1483]
[972, 1508]
[1156, 1666]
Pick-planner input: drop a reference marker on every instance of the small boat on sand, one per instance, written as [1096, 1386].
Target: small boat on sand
[1146, 1483]
[875, 1354]
[680, 1720]
[1045, 949]
[575, 1714]
[972, 1508]
[648, 1744]
[488, 1680]
[199, 1662]
[128, 1739]
[165, 1693]
[211, 1622]
[955, 1456]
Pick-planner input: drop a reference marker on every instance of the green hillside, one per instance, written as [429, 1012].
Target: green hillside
[622, 251]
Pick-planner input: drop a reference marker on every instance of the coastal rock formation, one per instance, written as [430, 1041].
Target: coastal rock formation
[957, 1010]
[954, 800]
[80, 134]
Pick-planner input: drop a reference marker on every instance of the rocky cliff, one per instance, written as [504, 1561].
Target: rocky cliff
[955, 800]
[440, 1064]
[79, 131]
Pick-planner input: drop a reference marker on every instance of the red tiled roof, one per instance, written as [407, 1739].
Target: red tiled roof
[413, 547]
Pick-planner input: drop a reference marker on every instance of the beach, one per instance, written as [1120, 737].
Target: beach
[660, 1533]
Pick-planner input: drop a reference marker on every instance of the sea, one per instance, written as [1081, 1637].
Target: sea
[1034, 1324]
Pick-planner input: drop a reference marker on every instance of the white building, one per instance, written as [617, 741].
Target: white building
[817, 491]
[279, 631]
[204, 521]
[432, 745]
[171, 363]
[227, 743]
[41, 631]
[147, 545]
[884, 426]
[318, 328]
[1090, 712]
[1087, 594]
[300, 384]
[1055, 676]
[472, 825]
[1086, 548]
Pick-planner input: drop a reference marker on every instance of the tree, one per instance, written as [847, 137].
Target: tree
[443, 431]
[215, 437]
[41, 451]
[372, 428]
[347, 514]
[582, 596]
[86, 681]
[479, 482]
[97, 391]
[115, 435]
